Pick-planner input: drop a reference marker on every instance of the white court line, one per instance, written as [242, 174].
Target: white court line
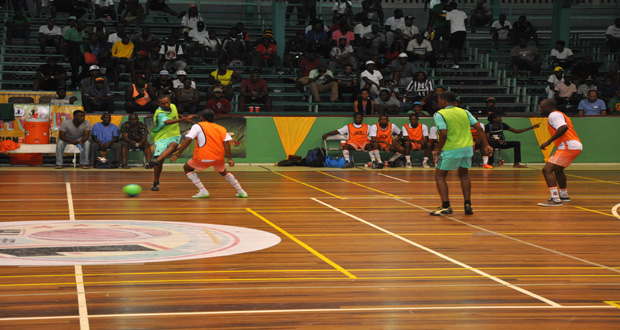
[79, 275]
[392, 177]
[317, 310]
[515, 239]
[614, 211]
[475, 270]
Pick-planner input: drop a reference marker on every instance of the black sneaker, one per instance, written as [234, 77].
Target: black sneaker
[374, 164]
[442, 210]
[550, 202]
[565, 199]
[155, 186]
[349, 165]
[380, 165]
[468, 209]
[153, 163]
[125, 166]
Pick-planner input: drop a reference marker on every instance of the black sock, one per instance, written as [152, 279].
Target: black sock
[445, 204]
[467, 202]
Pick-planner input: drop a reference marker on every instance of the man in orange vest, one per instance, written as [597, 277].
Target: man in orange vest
[568, 145]
[415, 137]
[381, 137]
[212, 144]
[358, 137]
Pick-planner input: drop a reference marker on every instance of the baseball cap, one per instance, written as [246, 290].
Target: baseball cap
[417, 103]
[99, 79]
[181, 73]
[217, 90]
[558, 68]
[403, 55]
[164, 73]
[143, 53]
[367, 38]
[72, 18]
[370, 62]
[93, 67]
[490, 99]
[409, 17]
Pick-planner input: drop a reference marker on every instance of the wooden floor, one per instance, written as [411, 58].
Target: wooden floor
[358, 250]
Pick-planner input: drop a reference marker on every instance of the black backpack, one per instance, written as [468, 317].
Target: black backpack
[315, 158]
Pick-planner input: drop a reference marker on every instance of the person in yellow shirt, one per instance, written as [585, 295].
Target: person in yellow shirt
[212, 144]
[122, 51]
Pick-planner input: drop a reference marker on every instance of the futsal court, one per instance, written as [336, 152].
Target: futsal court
[311, 248]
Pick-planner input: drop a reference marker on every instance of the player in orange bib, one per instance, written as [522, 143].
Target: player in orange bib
[381, 137]
[415, 137]
[212, 143]
[358, 137]
[568, 145]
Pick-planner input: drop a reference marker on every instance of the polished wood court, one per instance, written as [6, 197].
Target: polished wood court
[358, 251]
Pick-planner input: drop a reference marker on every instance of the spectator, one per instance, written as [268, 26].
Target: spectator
[566, 92]
[139, 97]
[361, 29]
[403, 71]
[322, 80]
[385, 103]
[156, 64]
[495, 135]
[141, 65]
[73, 39]
[116, 36]
[614, 104]
[93, 72]
[50, 35]
[105, 138]
[392, 23]
[343, 8]
[318, 41]
[105, 8]
[245, 36]
[187, 98]
[347, 83]
[377, 37]
[371, 9]
[234, 47]
[191, 18]
[122, 51]
[439, 28]
[364, 104]
[172, 55]
[159, 5]
[217, 103]
[213, 46]
[561, 56]
[614, 71]
[132, 10]
[525, 57]
[225, 79]
[134, 137]
[181, 77]
[586, 87]
[415, 137]
[554, 80]
[197, 41]
[417, 109]
[267, 56]
[613, 36]
[372, 79]
[98, 97]
[343, 32]
[420, 49]
[254, 91]
[94, 46]
[395, 49]
[431, 101]
[480, 16]
[306, 65]
[145, 40]
[163, 85]
[50, 76]
[367, 52]
[523, 29]
[420, 87]
[592, 106]
[62, 97]
[100, 30]
[501, 29]
[607, 90]
[407, 31]
[71, 23]
[492, 108]
[458, 31]
[294, 50]
[18, 26]
[74, 131]
[584, 69]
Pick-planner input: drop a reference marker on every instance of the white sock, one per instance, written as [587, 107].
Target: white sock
[554, 194]
[395, 157]
[425, 160]
[372, 155]
[192, 176]
[377, 155]
[563, 193]
[485, 160]
[408, 158]
[231, 179]
[345, 153]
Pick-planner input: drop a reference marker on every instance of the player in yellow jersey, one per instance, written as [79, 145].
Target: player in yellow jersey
[212, 144]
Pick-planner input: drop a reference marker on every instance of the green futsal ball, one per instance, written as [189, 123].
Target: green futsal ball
[132, 190]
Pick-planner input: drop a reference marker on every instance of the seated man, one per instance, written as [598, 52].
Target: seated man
[420, 49]
[98, 97]
[348, 83]
[478, 144]
[501, 29]
[386, 104]
[62, 97]
[592, 106]
[495, 135]
[341, 55]
[134, 137]
[480, 16]
[50, 76]
[163, 85]
[415, 137]
[613, 36]
[122, 52]
[306, 65]
[139, 97]
[18, 26]
[525, 57]
[105, 8]
[357, 133]
[403, 71]
[566, 92]
[181, 77]
[172, 55]
[219, 104]
[562, 56]
[492, 108]
[254, 91]
[74, 131]
[382, 138]
[556, 78]
[322, 80]
[372, 79]
[160, 5]
[586, 87]
[50, 35]
[187, 98]
[524, 29]
[94, 72]
[267, 56]
[105, 137]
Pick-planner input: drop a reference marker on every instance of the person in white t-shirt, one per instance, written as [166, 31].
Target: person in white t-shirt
[105, 8]
[407, 31]
[372, 79]
[391, 24]
[458, 31]
[361, 29]
[556, 78]
[198, 37]
[500, 29]
[343, 8]
[191, 19]
[116, 36]
[561, 56]
[420, 49]
[50, 35]
[613, 36]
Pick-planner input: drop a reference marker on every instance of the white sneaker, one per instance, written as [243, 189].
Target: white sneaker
[201, 194]
[455, 67]
[425, 164]
[408, 165]
[242, 195]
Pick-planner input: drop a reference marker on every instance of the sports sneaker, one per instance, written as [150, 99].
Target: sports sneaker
[455, 66]
[565, 199]
[442, 210]
[155, 186]
[380, 165]
[487, 166]
[425, 164]
[201, 194]
[153, 163]
[468, 209]
[374, 164]
[349, 165]
[550, 202]
[408, 165]
[242, 195]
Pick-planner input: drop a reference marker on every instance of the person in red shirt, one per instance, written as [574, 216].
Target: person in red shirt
[220, 105]
[306, 65]
[266, 55]
[254, 91]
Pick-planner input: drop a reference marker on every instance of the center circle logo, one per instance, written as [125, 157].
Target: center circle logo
[99, 242]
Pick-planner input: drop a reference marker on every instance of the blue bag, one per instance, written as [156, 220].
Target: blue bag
[334, 161]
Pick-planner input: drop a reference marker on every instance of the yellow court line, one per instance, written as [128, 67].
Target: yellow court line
[613, 303]
[304, 245]
[212, 237]
[307, 185]
[593, 179]
[599, 212]
[361, 185]
[464, 234]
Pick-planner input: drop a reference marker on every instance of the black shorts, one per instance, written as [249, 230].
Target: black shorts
[457, 40]
[442, 31]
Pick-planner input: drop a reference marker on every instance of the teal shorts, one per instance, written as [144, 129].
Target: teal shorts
[455, 159]
[162, 145]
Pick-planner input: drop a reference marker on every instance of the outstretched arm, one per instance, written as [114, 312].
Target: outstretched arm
[517, 131]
